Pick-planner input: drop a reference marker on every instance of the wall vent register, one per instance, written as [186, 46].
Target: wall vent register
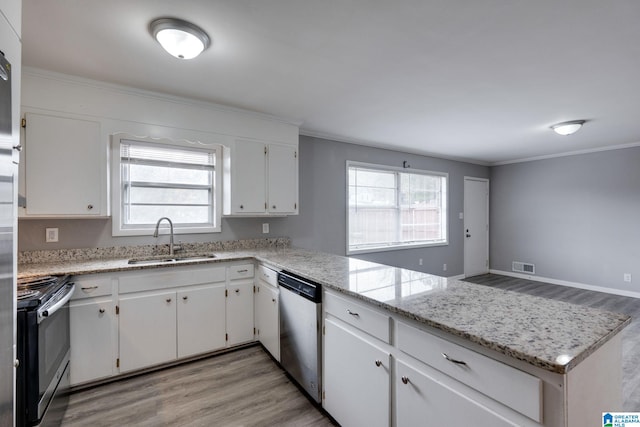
[523, 267]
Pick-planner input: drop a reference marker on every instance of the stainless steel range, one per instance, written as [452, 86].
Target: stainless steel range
[42, 377]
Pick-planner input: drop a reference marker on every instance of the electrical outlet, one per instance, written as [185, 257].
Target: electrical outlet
[444, 267]
[420, 261]
[627, 277]
[265, 228]
[51, 235]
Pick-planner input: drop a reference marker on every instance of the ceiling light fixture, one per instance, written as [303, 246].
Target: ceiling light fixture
[568, 128]
[181, 39]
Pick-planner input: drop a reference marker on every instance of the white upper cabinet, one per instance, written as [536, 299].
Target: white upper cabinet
[12, 9]
[260, 178]
[64, 168]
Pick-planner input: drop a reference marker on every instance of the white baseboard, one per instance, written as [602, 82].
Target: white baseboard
[567, 283]
[458, 277]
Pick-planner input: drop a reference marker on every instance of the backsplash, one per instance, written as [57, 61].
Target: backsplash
[83, 254]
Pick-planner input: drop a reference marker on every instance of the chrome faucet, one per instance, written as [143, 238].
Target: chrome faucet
[155, 234]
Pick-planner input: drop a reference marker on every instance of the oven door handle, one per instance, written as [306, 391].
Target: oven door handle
[43, 314]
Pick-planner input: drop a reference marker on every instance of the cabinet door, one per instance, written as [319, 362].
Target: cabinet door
[267, 318]
[248, 187]
[421, 400]
[283, 179]
[70, 152]
[356, 379]
[92, 326]
[147, 330]
[201, 320]
[239, 312]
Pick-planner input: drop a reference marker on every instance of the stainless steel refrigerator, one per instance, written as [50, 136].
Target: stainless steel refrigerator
[8, 170]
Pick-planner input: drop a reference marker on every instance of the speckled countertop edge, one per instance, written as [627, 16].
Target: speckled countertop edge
[313, 265]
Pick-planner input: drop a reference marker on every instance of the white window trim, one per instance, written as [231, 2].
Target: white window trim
[394, 247]
[116, 195]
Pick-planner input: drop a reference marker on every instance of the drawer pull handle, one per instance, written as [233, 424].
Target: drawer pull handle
[353, 313]
[243, 271]
[168, 299]
[457, 362]
[378, 363]
[405, 380]
[88, 288]
[101, 311]
[184, 298]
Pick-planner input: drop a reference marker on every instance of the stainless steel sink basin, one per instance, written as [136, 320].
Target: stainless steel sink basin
[165, 259]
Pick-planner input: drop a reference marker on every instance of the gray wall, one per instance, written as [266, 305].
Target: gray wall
[576, 218]
[322, 221]
[321, 224]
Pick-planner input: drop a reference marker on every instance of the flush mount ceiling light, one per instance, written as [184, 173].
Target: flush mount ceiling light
[567, 128]
[181, 39]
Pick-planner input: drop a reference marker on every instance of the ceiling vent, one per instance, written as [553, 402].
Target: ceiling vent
[523, 267]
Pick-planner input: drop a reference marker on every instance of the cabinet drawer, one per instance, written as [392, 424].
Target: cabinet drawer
[91, 286]
[242, 271]
[509, 386]
[268, 275]
[355, 314]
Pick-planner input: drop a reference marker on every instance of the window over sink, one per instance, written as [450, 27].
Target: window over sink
[394, 208]
[154, 178]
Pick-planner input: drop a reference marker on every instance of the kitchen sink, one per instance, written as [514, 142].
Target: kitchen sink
[165, 259]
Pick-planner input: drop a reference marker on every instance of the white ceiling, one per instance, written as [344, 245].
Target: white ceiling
[479, 80]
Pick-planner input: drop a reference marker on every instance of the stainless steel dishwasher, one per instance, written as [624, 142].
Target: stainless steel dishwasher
[300, 341]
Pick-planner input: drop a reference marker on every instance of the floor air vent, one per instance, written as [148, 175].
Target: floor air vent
[523, 267]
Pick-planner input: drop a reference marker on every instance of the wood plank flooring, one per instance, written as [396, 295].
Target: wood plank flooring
[240, 388]
[620, 304]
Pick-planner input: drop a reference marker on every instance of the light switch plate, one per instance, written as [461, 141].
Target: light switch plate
[265, 228]
[51, 235]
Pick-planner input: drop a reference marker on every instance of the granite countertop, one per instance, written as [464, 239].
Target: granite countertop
[549, 334]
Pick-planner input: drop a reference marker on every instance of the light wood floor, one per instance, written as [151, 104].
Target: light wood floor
[240, 388]
[620, 304]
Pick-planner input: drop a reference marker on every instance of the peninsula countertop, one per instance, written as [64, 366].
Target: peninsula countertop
[549, 334]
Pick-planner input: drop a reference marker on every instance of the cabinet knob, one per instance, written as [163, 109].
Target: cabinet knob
[241, 206]
[168, 299]
[273, 207]
[16, 363]
[237, 291]
[273, 300]
[378, 363]
[185, 298]
[89, 207]
[405, 380]
[101, 311]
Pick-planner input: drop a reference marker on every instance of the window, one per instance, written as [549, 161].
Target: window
[153, 179]
[391, 208]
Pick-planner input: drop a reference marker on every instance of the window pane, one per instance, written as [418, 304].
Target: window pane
[383, 214]
[169, 175]
[178, 214]
[369, 178]
[170, 195]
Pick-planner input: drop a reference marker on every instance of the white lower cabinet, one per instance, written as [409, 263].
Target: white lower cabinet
[267, 310]
[267, 318]
[93, 329]
[239, 312]
[423, 400]
[92, 339]
[147, 329]
[356, 378]
[201, 320]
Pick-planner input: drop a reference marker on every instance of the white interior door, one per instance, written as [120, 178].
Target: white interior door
[476, 226]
